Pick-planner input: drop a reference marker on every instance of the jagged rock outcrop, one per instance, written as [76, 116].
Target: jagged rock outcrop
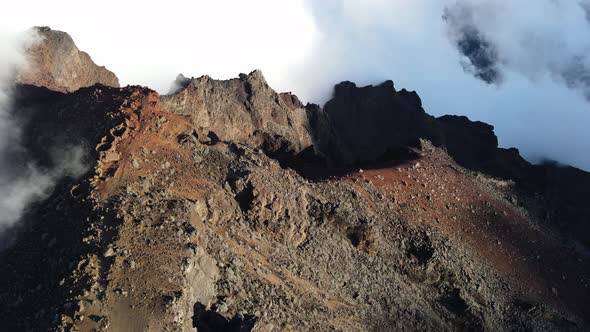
[373, 121]
[472, 144]
[326, 138]
[243, 110]
[57, 64]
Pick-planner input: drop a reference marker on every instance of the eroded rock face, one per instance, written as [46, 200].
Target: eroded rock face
[57, 64]
[565, 191]
[471, 143]
[243, 110]
[374, 120]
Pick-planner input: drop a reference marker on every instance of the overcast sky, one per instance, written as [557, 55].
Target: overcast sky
[535, 49]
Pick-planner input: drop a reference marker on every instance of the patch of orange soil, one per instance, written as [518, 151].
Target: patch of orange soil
[432, 190]
[135, 150]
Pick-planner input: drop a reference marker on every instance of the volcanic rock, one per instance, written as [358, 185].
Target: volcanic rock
[374, 120]
[472, 144]
[57, 64]
[242, 110]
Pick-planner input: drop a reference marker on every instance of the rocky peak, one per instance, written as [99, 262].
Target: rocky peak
[373, 120]
[243, 110]
[180, 83]
[255, 75]
[57, 64]
[291, 100]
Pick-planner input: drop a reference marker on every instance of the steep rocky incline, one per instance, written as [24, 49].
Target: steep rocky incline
[57, 64]
[173, 230]
[557, 195]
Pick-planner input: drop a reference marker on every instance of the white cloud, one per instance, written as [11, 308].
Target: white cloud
[150, 42]
[407, 41]
[21, 181]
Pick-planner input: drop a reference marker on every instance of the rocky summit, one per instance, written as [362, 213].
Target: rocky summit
[56, 63]
[226, 206]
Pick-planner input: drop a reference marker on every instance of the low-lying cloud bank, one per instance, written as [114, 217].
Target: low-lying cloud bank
[532, 38]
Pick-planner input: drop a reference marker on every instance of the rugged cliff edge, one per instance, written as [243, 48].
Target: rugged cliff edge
[226, 206]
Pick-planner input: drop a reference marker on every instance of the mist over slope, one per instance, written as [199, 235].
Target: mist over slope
[23, 180]
[18, 186]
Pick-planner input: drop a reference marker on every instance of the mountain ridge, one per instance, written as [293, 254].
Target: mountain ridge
[226, 206]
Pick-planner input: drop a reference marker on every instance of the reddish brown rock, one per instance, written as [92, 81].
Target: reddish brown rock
[57, 64]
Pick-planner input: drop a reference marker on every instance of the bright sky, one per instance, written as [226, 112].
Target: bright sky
[150, 42]
[306, 46]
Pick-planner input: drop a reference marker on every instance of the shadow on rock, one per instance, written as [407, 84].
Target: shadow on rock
[209, 321]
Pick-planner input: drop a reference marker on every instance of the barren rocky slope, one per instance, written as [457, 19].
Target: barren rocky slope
[229, 207]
